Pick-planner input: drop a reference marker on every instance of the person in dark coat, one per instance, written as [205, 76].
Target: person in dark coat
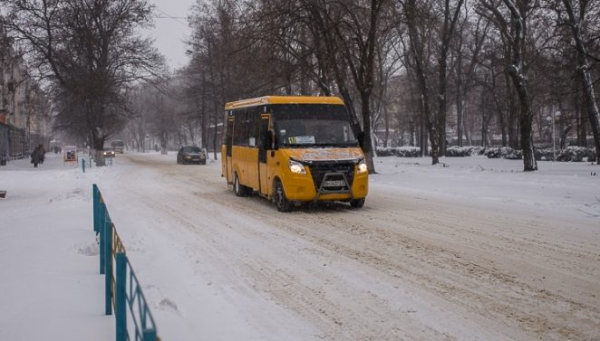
[41, 153]
[35, 157]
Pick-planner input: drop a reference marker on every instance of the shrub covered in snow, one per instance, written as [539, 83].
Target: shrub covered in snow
[574, 154]
[399, 151]
[577, 154]
[456, 151]
[570, 154]
[387, 151]
[515, 154]
[544, 154]
[498, 152]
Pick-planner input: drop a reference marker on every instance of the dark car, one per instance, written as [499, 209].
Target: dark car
[191, 154]
[108, 152]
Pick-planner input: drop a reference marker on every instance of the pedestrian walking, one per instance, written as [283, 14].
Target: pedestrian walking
[42, 153]
[35, 157]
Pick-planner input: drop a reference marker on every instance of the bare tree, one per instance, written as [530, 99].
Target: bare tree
[90, 53]
[513, 25]
[469, 42]
[498, 56]
[359, 35]
[435, 121]
[576, 14]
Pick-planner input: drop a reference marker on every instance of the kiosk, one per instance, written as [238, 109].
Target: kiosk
[70, 154]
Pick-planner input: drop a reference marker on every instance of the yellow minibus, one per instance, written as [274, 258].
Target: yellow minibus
[293, 150]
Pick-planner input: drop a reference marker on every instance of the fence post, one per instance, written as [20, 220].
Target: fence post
[95, 206]
[108, 265]
[101, 228]
[149, 335]
[120, 300]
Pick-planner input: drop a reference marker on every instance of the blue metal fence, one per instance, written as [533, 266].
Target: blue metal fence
[122, 288]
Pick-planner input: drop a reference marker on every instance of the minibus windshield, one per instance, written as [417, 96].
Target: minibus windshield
[312, 125]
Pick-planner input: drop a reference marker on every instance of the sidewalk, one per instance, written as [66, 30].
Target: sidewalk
[50, 287]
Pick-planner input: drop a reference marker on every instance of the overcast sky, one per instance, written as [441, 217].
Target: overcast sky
[170, 34]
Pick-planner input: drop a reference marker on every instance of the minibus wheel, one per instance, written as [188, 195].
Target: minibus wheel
[357, 203]
[239, 189]
[282, 203]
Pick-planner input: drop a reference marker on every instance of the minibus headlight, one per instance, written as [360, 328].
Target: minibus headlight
[296, 167]
[362, 166]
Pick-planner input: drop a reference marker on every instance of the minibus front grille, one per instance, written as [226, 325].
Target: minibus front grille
[335, 171]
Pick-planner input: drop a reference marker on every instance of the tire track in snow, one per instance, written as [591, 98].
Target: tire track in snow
[460, 262]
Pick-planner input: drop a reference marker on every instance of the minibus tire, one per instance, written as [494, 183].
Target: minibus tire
[239, 189]
[357, 203]
[279, 198]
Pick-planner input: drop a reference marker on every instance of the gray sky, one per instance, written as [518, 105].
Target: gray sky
[169, 34]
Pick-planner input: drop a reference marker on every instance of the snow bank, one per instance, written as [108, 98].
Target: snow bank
[51, 288]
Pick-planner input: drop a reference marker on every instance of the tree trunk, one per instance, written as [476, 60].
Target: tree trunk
[563, 137]
[203, 114]
[584, 70]
[529, 162]
[417, 54]
[367, 140]
[502, 121]
[483, 121]
[450, 20]
[513, 137]
[386, 117]
[459, 115]
[519, 78]
[98, 148]
[216, 129]
[581, 122]
[466, 129]
[423, 144]
[526, 121]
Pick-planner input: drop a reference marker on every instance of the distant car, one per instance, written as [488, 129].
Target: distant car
[191, 154]
[108, 152]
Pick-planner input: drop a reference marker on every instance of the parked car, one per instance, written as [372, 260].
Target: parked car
[108, 152]
[191, 154]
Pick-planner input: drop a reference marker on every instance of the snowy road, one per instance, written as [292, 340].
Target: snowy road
[405, 267]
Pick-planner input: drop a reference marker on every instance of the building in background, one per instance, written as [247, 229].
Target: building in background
[24, 108]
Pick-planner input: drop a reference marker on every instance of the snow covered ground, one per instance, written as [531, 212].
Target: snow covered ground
[473, 250]
[558, 188]
[49, 287]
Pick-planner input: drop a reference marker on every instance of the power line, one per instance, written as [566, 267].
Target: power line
[167, 16]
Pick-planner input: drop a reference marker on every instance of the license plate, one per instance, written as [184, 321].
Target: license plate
[335, 183]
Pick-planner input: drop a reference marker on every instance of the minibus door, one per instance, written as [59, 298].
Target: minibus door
[228, 146]
[262, 154]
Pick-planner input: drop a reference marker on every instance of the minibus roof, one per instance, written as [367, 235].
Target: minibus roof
[283, 100]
